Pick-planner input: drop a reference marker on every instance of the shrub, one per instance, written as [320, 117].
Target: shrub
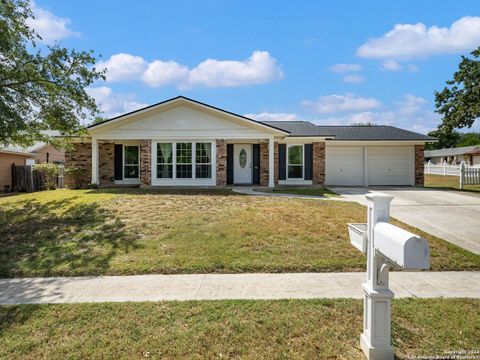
[49, 174]
[76, 175]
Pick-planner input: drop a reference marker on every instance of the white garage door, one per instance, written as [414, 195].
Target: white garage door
[344, 166]
[390, 165]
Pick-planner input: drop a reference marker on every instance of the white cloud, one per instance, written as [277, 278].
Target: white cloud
[161, 73]
[49, 26]
[123, 67]
[268, 116]
[259, 68]
[344, 68]
[112, 104]
[407, 41]
[341, 103]
[410, 112]
[353, 79]
[391, 65]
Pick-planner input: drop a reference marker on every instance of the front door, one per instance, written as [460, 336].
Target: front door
[242, 163]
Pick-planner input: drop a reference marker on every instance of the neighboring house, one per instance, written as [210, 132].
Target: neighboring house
[39, 153]
[182, 142]
[469, 154]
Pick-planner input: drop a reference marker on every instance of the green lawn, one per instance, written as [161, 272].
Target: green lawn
[448, 182]
[299, 329]
[130, 231]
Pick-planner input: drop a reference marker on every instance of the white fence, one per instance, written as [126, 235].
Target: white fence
[468, 175]
[442, 169]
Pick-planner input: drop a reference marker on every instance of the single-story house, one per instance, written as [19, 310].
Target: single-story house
[469, 154]
[183, 142]
[38, 153]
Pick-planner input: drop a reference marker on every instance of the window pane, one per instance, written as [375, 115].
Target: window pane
[184, 153]
[203, 171]
[295, 171]
[164, 171]
[184, 171]
[203, 153]
[131, 155]
[295, 154]
[130, 171]
[164, 153]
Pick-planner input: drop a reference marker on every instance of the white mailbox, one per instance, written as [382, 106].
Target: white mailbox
[404, 249]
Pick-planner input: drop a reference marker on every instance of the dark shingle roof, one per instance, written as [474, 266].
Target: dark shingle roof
[378, 132]
[298, 128]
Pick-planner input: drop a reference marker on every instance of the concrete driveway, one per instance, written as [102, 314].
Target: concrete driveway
[451, 215]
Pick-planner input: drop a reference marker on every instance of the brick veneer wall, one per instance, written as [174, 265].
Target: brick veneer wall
[264, 164]
[80, 155]
[318, 163]
[221, 162]
[419, 165]
[106, 163]
[145, 162]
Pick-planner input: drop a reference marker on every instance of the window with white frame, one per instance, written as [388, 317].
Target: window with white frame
[203, 160]
[184, 160]
[164, 160]
[295, 162]
[130, 162]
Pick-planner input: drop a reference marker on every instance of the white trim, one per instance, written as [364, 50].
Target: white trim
[95, 162]
[126, 180]
[174, 181]
[271, 162]
[181, 100]
[288, 163]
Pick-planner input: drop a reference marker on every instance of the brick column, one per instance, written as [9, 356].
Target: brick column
[318, 163]
[419, 165]
[264, 164]
[80, 156]
[221, 159]
[145, 162]
[106, 163]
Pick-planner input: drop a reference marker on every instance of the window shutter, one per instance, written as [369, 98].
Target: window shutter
[229, 164]
[282, 161]
[256, 164]
[118, 160]
[308, 161]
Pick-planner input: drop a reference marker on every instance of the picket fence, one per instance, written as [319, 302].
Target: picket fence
[468, 175]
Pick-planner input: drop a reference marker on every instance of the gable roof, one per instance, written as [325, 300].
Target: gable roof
[187, 100]
[299, 128]
[452, 151]
[377, 132]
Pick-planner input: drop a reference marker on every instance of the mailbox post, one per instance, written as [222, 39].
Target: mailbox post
[375, 340]
[386, 246]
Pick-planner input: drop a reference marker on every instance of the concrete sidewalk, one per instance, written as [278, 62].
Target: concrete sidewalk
[230, 286]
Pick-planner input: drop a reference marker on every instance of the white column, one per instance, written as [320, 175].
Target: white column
[375, 340]
[271, 163]
[95, 158]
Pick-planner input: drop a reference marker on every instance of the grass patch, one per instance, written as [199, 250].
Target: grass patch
[311, 191]
[448, 182]
[134, 231]
[310, 329]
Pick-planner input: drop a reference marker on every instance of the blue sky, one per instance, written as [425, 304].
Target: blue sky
[335, 62]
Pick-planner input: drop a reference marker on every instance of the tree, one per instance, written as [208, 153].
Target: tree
[41, 87]
[459, 101]
[446, 139]
[469, 139]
